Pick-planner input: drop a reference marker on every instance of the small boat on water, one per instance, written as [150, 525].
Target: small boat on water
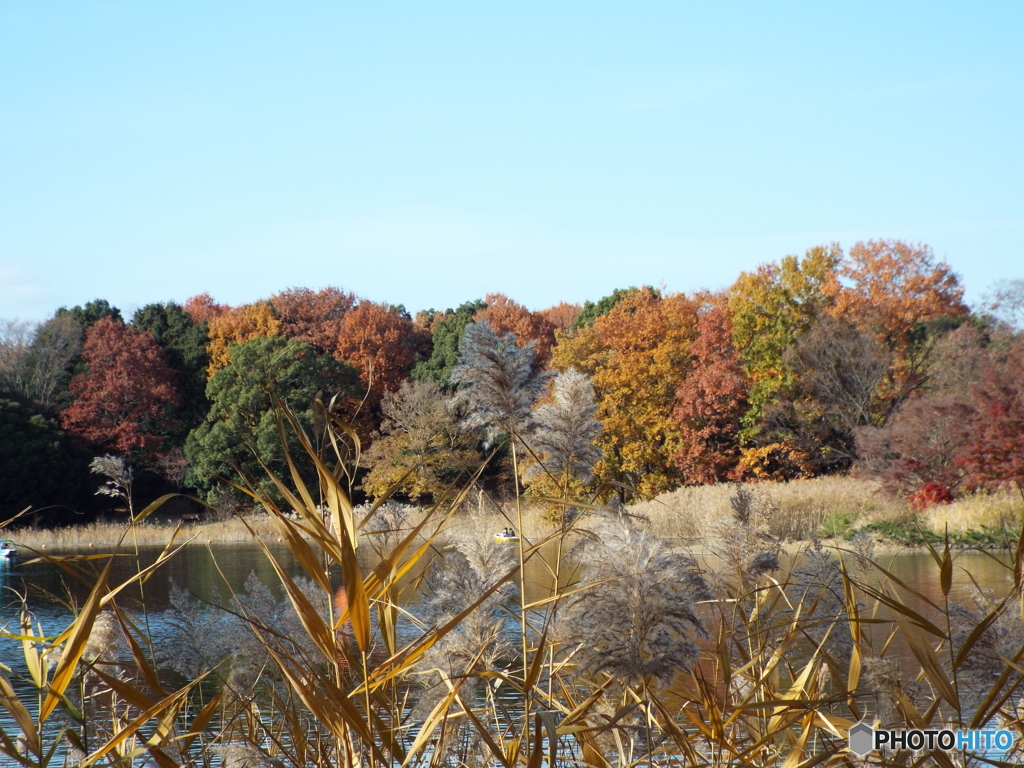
[8, 551]
[507, 535]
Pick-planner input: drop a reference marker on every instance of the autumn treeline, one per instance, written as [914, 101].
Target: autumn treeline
[867, 359]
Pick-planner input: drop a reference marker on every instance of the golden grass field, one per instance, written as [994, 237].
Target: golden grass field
[826, 506]
[102, 535]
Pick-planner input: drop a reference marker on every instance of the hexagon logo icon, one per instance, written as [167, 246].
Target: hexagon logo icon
[862, 739]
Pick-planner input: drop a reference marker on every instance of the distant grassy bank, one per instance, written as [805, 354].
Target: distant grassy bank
[104, 535]
[826, 508]
[836, 508]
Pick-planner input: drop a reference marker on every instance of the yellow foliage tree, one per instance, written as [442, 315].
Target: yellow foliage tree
[636, 356]
[772, 306]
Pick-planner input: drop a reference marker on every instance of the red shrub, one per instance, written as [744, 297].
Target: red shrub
[930, 494]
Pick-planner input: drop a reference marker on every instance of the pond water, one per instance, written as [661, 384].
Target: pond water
[225, 568]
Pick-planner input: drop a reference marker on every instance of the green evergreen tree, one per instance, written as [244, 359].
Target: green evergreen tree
[92, 312]
[447, 338]
[38, 466]
[184, 342]
[241, 419]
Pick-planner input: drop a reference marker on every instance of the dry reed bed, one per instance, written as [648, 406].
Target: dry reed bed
[976, 512]
[825, 505]
[104, 535]
[798, 507]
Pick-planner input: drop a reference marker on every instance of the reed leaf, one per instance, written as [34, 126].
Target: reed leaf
[157, 710]
[77, 636]
[931, 666]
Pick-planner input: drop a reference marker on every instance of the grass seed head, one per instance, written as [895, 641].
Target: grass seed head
[636, 617]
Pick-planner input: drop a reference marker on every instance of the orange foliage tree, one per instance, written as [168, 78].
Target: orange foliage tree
[896, 290]
[895, 287]
[381, 343]
[122, 395]
[636, 356]
[561, 316]
[315, 317]
[237, 326]
[506, 316]
[203, 308]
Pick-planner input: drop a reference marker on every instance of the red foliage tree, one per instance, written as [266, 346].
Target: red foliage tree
[994, 456]
[920, 446]
[506, 316]
[711, 402]
[315, 317]
[124, 392]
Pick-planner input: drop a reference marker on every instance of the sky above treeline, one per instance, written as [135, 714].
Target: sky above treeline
[430, 153]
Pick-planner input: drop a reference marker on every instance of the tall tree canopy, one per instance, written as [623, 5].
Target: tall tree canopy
[15, 340]
[122, 395]
[237, 326]
[561, 316]
[770, 308]
[894, 287]
[92, 312]
[446, 332]
[381, 343]
[901, 295]
[636, 354]
[592, 310]
[506, 316]
[36, 362]
[241, 421]
[184, 342]
[315, 317]
[712, 400]
[202, 308]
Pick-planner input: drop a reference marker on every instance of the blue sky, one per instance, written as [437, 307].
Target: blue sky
[429, 153]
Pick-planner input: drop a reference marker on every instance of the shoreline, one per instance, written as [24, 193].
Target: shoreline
[96, 537]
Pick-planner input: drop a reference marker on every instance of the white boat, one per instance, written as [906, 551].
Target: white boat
[7, 549]
[505, 537]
